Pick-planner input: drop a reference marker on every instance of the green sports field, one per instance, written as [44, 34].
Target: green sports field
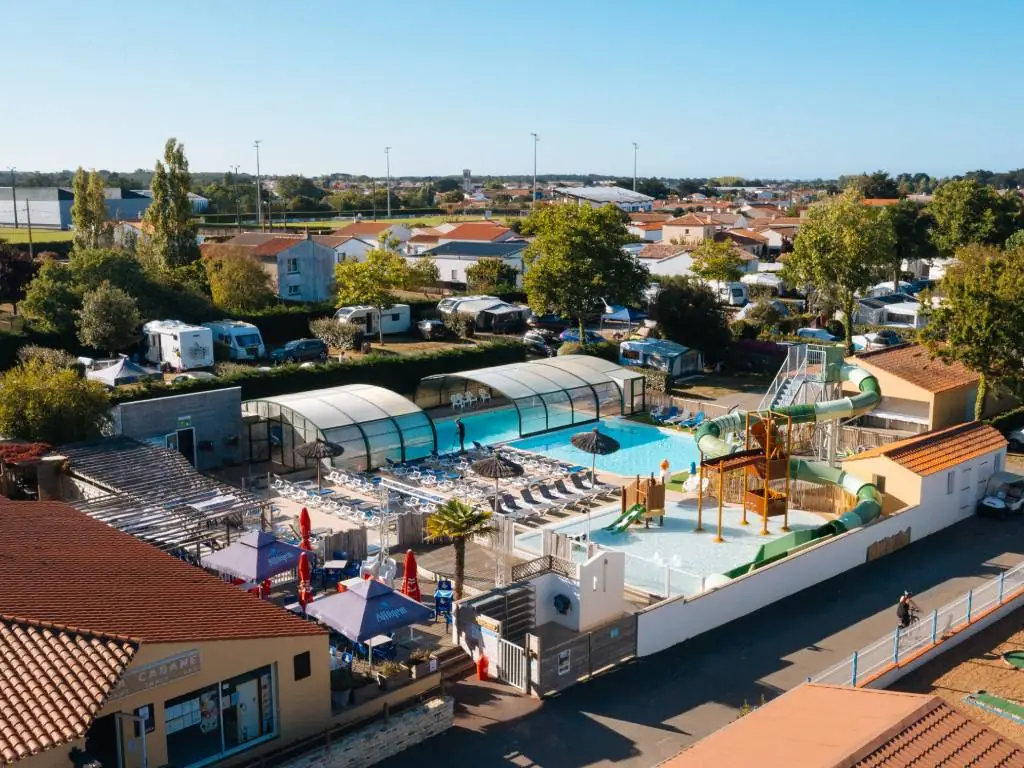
[20, 235]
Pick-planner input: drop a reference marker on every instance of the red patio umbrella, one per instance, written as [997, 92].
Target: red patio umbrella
[305, 530]
[305, 571]
[410, 584]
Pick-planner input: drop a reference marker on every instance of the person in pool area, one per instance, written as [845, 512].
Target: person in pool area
[460, 429]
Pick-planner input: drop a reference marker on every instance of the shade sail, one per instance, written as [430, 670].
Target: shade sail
[625, 315]
[124, 371]
[369, 608]
[254, 557]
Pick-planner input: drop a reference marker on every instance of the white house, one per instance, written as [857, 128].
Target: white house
[301, 268]
[373, 231]
[689, 229]
[666, 259]
[649, 232]
[455, 257]
[476, 232]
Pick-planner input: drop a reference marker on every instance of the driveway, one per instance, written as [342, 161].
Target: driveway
[647, 711]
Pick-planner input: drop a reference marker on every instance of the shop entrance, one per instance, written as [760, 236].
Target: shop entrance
[102, 742]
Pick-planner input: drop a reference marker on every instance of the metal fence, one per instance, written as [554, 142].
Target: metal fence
[930, 630]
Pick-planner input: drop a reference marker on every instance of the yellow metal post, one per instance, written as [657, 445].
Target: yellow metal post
[721, 493]
[789, 452]
[769, 425]
[746, 446]
[700, 498]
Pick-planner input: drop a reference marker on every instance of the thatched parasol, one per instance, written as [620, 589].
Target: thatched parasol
[596, 444]
[498, 467]
[319, 450]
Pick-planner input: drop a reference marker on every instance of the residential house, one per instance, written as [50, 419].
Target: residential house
[746, 240]
[650, 218]
[302, 269]
[422, 239]
[344, 246]
[943, 471]
[777, 237]
[454, 257]
[689, 229]
[477, 231]
[896, 310]
[666, 259]
[760, 213]
[374, 231]
[825, 726]
[730, 220]
[596, 197]
[919, 393]
[648, 232]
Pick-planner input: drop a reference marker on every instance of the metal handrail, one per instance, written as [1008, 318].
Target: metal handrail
[794, 364]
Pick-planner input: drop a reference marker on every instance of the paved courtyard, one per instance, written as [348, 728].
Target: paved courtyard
[648, 710]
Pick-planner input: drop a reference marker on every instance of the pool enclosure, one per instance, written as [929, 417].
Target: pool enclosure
[370, 423]
[547, 394]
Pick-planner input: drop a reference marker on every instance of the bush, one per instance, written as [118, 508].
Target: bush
[461, 324]
[58, 358]
[836, 328]
[743, 329]
[1007, 421]
[343, 336]
[654, 380]
[606, 350]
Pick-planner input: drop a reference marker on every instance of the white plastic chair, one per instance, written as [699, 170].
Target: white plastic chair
[484, 395]
[458, 401]
[469, 399]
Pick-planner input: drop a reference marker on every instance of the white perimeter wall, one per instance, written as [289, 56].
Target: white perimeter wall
[546, 587]
[602, 581]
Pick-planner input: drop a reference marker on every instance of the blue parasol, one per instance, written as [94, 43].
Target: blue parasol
[369, 608]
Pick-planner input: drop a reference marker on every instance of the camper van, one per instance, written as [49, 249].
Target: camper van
[730, 294]
[242, 340]
[177, 345]
[395, 319]
[452, 303]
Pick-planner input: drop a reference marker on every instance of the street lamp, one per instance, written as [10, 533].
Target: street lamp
[14, 197]
[635, 148]
[259, 186]
[238, 204]
[536, 138]
[387, 163]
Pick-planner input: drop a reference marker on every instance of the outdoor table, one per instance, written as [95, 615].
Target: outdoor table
[375, 642]
[335, 565]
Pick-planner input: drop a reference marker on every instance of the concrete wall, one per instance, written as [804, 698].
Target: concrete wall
[689, 235]
[315, 274]
[678, 619]
[545, 588]
[953, 494]
[601, 583]
[954, 406]
[215, 415]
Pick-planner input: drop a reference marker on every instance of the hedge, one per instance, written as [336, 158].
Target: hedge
[1007, 421]
[397, 372]
[654, 380]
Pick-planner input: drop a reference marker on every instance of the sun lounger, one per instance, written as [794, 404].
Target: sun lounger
[684, 415]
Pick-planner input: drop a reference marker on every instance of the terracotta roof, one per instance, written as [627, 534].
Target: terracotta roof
[690, 220]
[913, 364]
[660, 251]
[425, 238]
[251, 239]
[478, 231]
[649, 218]
[275, 246]
[653, 226]
[786, 221]
[822, 726]
[364, 228]
[84, 575]
[879, 202]
[933, 452]
[52, 684]
[741, 237]
[332, 241]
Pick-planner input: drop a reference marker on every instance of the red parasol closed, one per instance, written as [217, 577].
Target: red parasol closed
[305, 572]
[410, 584]
[305, 529]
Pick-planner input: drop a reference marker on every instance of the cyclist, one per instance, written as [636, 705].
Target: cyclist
[905, 609]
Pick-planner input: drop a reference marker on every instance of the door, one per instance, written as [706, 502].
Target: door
[186, 440]
[966, 491]
[368, 322]
[102, 741]
[248, 711]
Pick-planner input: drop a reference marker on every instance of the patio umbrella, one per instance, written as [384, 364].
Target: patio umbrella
[305, 572]
[498, 467]
[319, 450]
[595, 443]
[367, 609]
[254, 556]
[410, 584]
[305, 529]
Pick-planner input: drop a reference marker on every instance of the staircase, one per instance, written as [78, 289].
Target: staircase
[802, 373]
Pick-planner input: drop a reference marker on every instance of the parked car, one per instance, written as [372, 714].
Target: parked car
[431, 330]
[300, 350]
[549, 322]
[1016, 440]
[878, 340]
[573, 334]
[542, 342]
[181, 378]
[818, 334]
[1004, 496]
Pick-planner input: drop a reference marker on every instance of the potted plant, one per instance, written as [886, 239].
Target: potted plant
[419, 663]
[364, 689]
[393, 674]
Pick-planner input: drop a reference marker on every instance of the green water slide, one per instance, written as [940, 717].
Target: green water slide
[627, 518]
[709, 441]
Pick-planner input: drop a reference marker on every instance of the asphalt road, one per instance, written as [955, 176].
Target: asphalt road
[648, 710]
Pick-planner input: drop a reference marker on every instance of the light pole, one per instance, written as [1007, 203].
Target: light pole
[533, 202]
[635, 148]
[259, 187]
[238, 203]
[387, 191]
[14, 198]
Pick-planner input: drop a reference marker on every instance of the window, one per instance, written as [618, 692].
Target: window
[394, 316]
[293, 290]
[950, 483]
[302, 665]
[455, 275]
[292, 266]
[629, 354]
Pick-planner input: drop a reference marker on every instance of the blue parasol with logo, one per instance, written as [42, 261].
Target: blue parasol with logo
[254, 557]
[367, 609]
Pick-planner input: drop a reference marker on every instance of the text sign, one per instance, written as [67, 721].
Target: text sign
[159, 672]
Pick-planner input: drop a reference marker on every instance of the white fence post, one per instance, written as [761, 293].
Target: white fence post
[853, 676]
[1002, 581]
[935, 625]
[896, 646]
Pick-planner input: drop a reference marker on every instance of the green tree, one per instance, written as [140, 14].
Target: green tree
[979, 322]
[457, 522]
[966, 212]
[688, 313]
[1014, 241]
[455, 196]
[51, 299]
[713, 260]
[371, 282]
[16, 272]
[89, 210]
[877, 185]
[237, 280]
[911, 225]
[448, 184]
[108, 320]
[576, 260]
[843, 244]
[491, 276]
[423, 274]
[173, 242]
[43, 402]
[298, 186]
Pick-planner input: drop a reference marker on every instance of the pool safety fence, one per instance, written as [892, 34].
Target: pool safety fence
[810, 497]
[929, 632]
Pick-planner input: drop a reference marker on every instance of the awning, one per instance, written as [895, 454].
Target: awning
[367, 609]
[254, 557]
[625, 315]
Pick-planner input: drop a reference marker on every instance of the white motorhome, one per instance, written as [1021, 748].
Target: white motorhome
[394, 319]
[731, 294]
[243, 340]
[177, 345]
[452, 303]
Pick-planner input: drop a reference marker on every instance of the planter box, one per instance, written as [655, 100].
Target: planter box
[397, 679]
[365, 693]
[421, 670]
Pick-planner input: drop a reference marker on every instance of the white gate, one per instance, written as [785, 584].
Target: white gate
[512, 664]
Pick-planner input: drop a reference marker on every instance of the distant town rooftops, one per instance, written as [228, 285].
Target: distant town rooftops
[604, 194]
[691, 220]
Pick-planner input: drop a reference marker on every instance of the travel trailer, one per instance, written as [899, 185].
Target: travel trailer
[394, 319]
[243, 341]
[178, 346]
[452, 303]
[730, 294]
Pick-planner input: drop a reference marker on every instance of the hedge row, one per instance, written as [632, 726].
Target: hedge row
[1007, 421]
[399, 372]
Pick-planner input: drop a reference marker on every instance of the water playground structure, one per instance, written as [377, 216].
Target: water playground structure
[643, 500]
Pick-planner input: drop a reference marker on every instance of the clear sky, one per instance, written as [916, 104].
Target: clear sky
[796, 89]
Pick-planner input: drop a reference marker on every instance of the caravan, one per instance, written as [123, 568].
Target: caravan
[395, 319]
[730, 294]
[177, 345]
[242, 341]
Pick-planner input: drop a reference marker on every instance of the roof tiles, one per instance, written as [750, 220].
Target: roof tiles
[940, 450]
[691, 220]
[86, 576]
[52, 684]
[364, 228]
[913, 364]
[482, 231]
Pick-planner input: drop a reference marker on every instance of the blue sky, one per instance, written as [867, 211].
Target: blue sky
[799, 89]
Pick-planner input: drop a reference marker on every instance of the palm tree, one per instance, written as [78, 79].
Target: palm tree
[457, 521]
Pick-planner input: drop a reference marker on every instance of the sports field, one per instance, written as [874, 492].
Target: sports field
[20, 235]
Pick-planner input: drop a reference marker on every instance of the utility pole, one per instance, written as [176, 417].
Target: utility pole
[28, 218]
[635, 148]
[238, 202]
[259, 187]
[14, 198]
[533, 202]
[387, 162]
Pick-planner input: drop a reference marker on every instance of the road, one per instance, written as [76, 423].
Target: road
[648, 710]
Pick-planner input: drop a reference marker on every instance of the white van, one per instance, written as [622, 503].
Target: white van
[178, 345]
[730, 294]
[243, 340]
[394, 319]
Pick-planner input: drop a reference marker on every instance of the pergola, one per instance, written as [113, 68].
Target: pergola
[156, 495]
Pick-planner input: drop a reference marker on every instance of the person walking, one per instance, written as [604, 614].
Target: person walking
[460, 428]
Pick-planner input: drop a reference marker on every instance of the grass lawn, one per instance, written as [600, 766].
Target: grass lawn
[429, 221]
[20, 235]
[676, 483]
